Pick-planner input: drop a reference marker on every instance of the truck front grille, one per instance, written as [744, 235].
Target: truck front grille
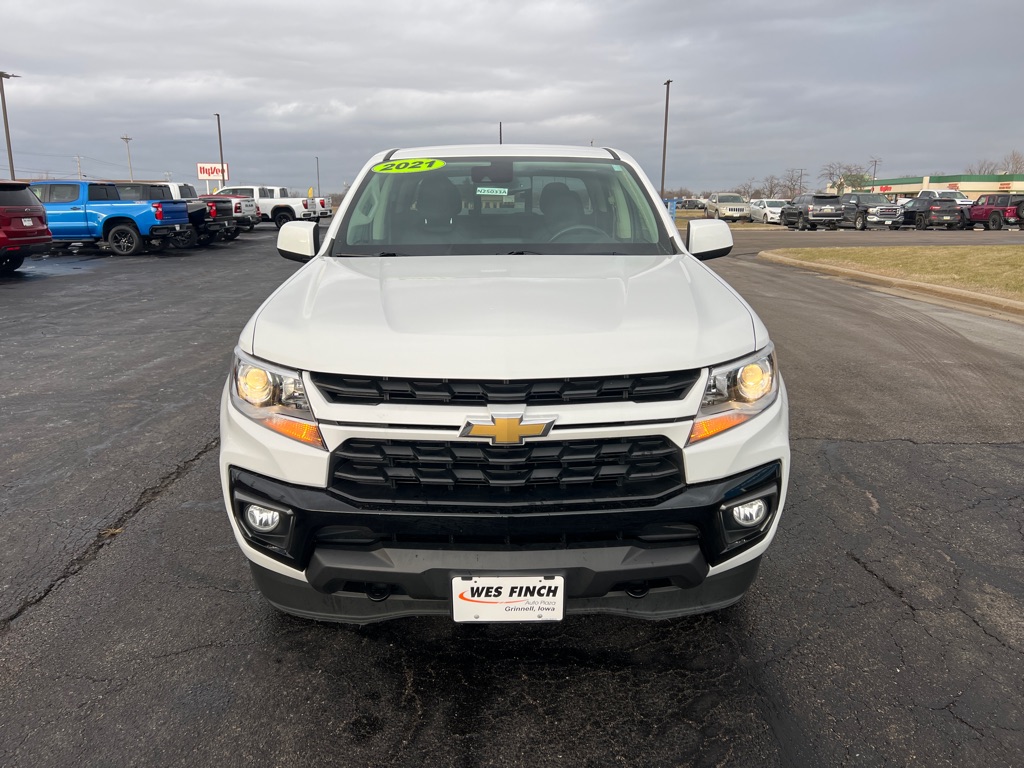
[466, 474]
[641, 388]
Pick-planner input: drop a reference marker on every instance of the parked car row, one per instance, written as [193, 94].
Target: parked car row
[863, 210]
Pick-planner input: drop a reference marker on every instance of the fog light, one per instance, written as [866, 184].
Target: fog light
[751, 513]
[261, 519]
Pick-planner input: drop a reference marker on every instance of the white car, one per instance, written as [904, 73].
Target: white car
[766, 210]
[504, 387]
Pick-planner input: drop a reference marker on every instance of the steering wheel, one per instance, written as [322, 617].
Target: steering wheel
[581, 228]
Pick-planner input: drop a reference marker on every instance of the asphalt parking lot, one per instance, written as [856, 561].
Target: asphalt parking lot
[885, 627]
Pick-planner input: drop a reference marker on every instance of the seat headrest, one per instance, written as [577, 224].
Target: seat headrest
[558, 201]
[438, 200]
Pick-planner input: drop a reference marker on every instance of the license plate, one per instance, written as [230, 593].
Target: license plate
[508, 598]
[827, 209]
[177, 227]
[888, 222]
[26, 222]
[946, 218]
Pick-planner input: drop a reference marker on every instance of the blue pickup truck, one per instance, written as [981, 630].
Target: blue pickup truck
[93, 212]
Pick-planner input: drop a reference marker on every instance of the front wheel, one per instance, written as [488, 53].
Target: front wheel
[283, 217]
[125, 240]
[764, 219]
[801, 223]
[860, 222]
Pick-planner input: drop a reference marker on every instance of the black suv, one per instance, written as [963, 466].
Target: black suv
[924, 212]
[23, 227]
[870, 209]
[809, 210]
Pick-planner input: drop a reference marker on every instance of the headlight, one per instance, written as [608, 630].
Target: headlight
[872, 210]
[274, 398]
[736, 393]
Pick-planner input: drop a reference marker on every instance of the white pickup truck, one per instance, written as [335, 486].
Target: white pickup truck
[274, 204]
[503, 388]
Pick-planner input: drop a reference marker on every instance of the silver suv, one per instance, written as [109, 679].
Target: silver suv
[727, 205]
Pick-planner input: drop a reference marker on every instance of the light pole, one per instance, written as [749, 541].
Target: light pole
[317, 176]
[664, 141]
[126, 138]
[874, 168]
[7, 130]
[220, 146]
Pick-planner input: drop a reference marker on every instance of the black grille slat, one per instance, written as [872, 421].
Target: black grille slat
[542, 474]
[641, 388]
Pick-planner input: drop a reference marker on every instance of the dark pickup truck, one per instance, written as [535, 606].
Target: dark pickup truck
[870, 209]
[210, 219]
[993, 211]
[93, 212]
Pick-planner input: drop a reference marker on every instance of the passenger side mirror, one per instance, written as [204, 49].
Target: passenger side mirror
[299, 240]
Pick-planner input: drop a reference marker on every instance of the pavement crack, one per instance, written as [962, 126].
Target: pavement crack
[105, 536]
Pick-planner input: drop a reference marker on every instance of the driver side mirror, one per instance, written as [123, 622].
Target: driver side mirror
[708, 238]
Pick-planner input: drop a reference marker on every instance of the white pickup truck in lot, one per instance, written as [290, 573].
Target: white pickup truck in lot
[503, 387]
[275, 207]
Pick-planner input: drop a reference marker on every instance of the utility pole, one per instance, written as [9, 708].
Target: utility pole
[317, 176]
[220, 146]
[7, 130]
[499, 132]
[78, 160]
[126, 138]
[874, 167]
[801, 179]
[664, 141]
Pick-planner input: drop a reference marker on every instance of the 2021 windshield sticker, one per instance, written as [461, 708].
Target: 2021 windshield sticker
[408, 166]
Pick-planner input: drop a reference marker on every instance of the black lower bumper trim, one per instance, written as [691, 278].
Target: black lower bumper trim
[665, 602]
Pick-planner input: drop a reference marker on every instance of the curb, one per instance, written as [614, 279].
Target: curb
[956, 294]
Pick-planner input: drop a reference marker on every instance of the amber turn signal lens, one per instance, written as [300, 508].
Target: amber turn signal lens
[303, 431]
[710, 426]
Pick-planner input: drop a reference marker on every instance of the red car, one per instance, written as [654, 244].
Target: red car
[23, 227]
[993, 211]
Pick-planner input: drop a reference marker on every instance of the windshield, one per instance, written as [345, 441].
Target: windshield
[775, 203]
[730, 199]
[488, 205]
[953, 194]
[874, 200]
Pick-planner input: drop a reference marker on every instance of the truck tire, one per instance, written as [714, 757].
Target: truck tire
[995, 221]
[232, 234]
[860, 222]
[10, 263]
[920, 223]
[801, 223]
[1020, 216]
[204, 239]
[156, 245]
[124, 240]
[282, 217]
[185, 238]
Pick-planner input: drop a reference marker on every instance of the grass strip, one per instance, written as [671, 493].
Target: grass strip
[996, 270]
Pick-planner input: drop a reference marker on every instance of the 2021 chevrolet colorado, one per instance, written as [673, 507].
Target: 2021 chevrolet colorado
[503, 387]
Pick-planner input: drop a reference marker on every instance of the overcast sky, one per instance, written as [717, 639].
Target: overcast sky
[757, 87]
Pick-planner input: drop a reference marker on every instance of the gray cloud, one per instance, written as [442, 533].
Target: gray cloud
[757, 87]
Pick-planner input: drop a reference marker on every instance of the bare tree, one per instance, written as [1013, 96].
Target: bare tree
[746, 189]
[792, 182]
[982, 168]
[839, 175]
[1013, 162]
[771, 186]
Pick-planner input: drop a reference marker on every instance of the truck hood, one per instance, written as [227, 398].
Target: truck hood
[502, 317]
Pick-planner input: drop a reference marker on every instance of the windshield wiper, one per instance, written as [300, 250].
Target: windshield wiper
[521, 253]
[368, 255]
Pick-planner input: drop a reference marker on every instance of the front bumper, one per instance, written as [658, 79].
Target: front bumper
[335, 555]
[332, 553]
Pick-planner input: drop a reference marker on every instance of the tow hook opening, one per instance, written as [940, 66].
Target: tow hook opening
[637, 589]
[378, 592]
